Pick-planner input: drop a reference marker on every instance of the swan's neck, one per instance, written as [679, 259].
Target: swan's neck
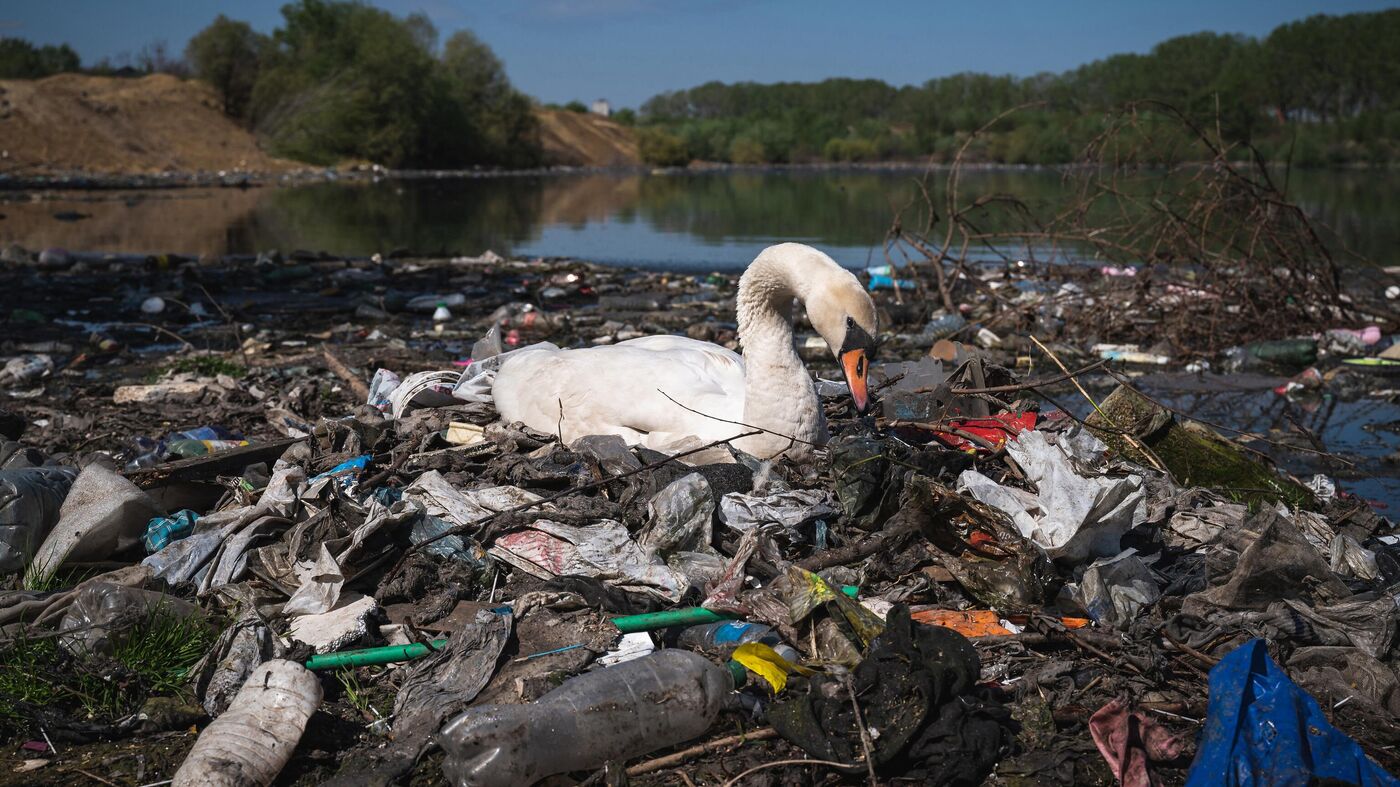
[778, 392]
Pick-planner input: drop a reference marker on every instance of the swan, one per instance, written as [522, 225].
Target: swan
[623, 389]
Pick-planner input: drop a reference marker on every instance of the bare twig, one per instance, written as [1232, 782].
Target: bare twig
[781, 763]
[860, 726]
[790, 438]
[676, 758]
[357, 386]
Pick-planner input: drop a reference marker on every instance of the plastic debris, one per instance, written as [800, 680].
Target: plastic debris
[1262, 729]
[253, 740]
[589, 720]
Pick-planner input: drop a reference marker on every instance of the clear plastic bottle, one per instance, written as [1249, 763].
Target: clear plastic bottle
[633, 708]
[723, 637]
[253, 740]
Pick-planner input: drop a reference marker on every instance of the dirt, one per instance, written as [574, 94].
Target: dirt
[153, 124]
[162, 124]
[576, 139]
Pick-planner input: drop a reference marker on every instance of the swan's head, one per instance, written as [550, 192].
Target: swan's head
[841, 311]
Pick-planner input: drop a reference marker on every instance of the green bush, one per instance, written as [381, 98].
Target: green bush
[747, 150]
[849, 149]
[662, 148]
[227, 55]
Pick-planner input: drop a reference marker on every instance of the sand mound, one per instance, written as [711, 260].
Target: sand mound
[113, 125]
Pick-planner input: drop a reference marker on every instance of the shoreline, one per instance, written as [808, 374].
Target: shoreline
[79, 180]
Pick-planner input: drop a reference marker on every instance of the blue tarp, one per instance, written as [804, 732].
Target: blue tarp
[1261, 729]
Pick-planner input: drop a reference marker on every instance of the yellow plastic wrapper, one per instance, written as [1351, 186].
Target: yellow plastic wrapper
[765, 662]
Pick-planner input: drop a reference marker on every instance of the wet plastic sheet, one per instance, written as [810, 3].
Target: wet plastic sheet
[1261, 729]
[30, 501]
[789, 509]
[1074, 517]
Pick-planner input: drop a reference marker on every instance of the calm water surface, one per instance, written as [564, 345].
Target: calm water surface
[709, 221]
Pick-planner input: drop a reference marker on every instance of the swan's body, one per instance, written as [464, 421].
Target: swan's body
[622, 389]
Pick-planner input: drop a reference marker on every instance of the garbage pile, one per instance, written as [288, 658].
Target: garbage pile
[313, 553]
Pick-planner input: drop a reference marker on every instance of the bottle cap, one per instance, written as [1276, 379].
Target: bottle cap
[738, 673]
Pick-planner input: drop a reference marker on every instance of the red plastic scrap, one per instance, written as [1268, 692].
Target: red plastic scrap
[995, 430]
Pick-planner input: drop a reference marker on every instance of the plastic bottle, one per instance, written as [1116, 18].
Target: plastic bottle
[942, 328]
[1295, 353]
[187, 449]
[723, 637]
[253, 740]
[636, 707]
[441, 313]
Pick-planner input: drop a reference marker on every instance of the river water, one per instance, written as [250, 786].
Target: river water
[702, 221]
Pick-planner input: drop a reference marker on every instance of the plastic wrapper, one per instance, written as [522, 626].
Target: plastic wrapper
[165, 529]
[1262, 729]
[1115, 590]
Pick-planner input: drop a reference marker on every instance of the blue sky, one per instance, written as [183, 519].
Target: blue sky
[629, 50]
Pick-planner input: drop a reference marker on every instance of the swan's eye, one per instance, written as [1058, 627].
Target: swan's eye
[850, 322]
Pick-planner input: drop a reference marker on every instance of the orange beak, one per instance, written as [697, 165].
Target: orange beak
[856, 364]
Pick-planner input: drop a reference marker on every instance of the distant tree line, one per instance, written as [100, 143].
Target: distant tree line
[1321, 90]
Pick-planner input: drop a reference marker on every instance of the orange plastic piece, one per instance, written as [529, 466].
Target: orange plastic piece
[969, 623]
[981, 622]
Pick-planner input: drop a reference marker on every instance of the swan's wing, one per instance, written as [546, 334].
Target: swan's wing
[617, 389]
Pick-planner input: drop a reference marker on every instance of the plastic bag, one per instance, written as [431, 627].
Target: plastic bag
[1262, 729]
[30, 501]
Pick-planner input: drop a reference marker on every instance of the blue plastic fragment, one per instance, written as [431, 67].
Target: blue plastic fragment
[1262, 729]
[164, 529]
[878, 282]
[347, 472]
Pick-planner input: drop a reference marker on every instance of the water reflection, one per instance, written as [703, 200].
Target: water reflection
[703, 220]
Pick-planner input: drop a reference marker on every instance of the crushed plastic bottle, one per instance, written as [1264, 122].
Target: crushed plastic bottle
[941, 328]
[25, 369]
[253, 740]
[723, 637]
[639, 706]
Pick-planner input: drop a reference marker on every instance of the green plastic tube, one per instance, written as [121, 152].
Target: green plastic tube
[686, 616]
[369, 657]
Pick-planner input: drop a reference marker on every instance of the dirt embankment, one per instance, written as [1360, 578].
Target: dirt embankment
[117, 126]
[585, 140]
[112, 125]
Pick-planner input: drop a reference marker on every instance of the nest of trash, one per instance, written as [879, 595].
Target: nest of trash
[320, 539]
